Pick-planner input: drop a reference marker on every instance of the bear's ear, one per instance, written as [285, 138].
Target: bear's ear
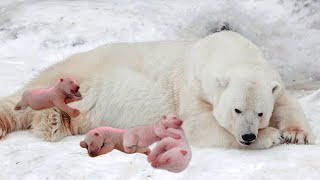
[222, 81]
[276, 87]
[83, 144]
[61, 79]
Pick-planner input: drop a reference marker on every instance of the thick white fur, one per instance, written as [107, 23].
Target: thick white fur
[129, 84]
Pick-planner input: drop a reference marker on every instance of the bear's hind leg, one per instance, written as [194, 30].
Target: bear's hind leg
[48, 124]
[10, 119]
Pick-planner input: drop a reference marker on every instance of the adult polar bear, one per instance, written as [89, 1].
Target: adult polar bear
[220, 85]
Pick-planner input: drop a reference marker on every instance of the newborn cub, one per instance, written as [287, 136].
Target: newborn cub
[144, 136]
[64, 91]
[171, 154]
[102, 140]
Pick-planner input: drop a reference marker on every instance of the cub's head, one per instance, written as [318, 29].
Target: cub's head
[93, 142]
[69, 85]
[171, 121]
[244, 106]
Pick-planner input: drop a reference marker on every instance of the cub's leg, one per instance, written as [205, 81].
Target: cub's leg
[64, 107]
[162, 145]
[130, 142]
[22, 104]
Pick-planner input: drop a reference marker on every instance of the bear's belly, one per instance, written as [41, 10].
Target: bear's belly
[127, 98]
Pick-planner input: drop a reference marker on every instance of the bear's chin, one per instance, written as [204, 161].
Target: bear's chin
[242, 143]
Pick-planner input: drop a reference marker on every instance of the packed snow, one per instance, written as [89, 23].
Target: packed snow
[37, 33]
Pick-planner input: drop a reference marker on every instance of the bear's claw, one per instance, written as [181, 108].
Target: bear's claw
[296, 136]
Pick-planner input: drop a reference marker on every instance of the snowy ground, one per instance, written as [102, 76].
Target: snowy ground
[37, 33]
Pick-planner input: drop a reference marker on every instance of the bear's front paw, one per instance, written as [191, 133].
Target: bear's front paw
[267, 138]
[297, 136]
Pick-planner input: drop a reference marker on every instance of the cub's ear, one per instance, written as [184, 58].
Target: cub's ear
[83, 144]
[222, 81]
[61, 79]
[276, 88]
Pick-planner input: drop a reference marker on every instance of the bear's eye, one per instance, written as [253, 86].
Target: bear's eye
[237, 111]
[260, 114]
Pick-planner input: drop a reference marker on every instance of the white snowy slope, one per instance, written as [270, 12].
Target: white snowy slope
[37, 33]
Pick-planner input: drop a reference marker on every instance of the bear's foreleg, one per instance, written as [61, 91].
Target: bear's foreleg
[290, 119]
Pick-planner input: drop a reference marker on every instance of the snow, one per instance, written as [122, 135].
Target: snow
[37, 33]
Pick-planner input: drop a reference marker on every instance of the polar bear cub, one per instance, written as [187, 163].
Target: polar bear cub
[144, 136]
[171, 154]
[103, 140]
[64, 91]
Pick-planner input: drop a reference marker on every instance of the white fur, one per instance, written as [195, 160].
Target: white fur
[129, 84]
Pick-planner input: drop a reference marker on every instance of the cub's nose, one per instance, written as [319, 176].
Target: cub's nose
[93, 154]
[248, 137]
[179, 123]
[78, 87]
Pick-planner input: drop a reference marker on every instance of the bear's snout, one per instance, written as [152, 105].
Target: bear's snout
[93, 153]
[75, 90]
[93, 150]
[179, 123]
[248, 138]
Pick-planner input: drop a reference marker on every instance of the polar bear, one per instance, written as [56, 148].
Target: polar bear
[221, 86]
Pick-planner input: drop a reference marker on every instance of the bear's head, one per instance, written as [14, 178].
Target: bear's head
[171, 121]
[244, 106]
[93, 142]
[69, 85]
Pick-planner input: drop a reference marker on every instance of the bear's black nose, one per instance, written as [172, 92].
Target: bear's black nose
[78, 87]
[248, 137]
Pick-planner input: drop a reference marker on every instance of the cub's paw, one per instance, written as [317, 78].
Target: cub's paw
[77, 98]
[267, 138]
[151, 158]
[17, 107]
[145, 151]
[75, 113]
[297, 136]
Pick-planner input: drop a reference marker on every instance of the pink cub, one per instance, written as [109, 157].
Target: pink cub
[103, 140]
[171, 154]
[144, 136]
[64, 91]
